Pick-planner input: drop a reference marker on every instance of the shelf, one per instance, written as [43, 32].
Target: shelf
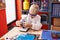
[55, 16]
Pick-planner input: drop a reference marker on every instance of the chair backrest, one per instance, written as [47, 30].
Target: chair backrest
[44, 19]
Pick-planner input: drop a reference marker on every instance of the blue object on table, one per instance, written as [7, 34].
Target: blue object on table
[25, 37]
[47, 34]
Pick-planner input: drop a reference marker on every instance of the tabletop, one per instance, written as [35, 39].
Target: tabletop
[15, 31]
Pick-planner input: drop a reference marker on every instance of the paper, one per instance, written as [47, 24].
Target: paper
[24, 29]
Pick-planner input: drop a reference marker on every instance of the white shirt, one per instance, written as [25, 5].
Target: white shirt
[36, 21]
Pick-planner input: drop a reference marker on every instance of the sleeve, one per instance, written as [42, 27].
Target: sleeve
[18, 22]
[23, 20]
[37, 25]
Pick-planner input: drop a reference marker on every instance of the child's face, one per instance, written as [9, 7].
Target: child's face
[33, 11]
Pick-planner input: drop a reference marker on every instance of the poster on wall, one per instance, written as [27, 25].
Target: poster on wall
[44, 5]
[2, 4]
[10, 11]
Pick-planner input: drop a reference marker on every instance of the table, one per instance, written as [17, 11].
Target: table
[44, 34]
[16, 31]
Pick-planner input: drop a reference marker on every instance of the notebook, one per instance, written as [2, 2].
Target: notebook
[24, 29]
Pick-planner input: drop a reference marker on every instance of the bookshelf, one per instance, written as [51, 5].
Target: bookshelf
[55, 10]
[55, 15]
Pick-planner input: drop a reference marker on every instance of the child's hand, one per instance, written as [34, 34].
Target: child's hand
[27, 25]
[18, 23]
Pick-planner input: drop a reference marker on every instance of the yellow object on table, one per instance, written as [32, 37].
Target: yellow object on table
[26, 5]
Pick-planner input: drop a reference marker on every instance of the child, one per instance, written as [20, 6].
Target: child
[33, 20]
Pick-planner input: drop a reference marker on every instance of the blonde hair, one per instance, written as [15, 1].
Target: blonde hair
[34, 8]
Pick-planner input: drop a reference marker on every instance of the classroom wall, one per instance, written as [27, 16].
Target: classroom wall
[3, 25]
[19, 9]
